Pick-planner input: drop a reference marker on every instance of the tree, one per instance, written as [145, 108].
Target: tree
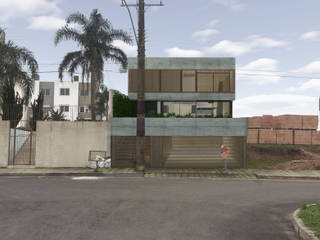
[11, 103]
[12, 62]
[56, 115]
[95, 39]
[37, 111]
[102, 101]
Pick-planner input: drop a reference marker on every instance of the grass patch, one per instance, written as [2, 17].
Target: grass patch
[266, 156]
[310, 215]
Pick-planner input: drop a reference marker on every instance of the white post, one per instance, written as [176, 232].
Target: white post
[110, 105]
[158, 107]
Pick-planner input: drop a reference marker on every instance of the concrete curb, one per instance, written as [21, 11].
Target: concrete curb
[287, 177]
[72, 174]
[301, 229]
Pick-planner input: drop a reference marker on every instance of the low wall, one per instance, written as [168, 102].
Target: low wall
[305, 122]
[233, 127]
[272, 136]
[67, 144]
[4, 143]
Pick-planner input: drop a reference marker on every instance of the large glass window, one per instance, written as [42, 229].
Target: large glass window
[189, 81]
[222, 82]
[170, 81]
[205, 82]
[198, 109]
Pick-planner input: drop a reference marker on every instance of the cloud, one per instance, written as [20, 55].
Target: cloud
[178, 52]
[275, 104]
[24, 8]
[230, 48]
[261, 71]
[254, 42]
[130, 50]
[234, 5]
[46, 23]
[213, 23]
[314, 35]
[311, 85]
[311, 68]
[205, 34]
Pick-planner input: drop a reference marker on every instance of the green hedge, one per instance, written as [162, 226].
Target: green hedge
[123, 106]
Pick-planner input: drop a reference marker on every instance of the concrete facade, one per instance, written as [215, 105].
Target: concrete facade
[67, 144]
[181, 127]
[185, 63]
[185, 96]
[4, 143]
[70, 100]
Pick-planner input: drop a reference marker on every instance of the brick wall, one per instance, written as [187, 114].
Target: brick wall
[284, 129]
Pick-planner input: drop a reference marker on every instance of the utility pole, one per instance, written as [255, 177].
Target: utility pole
[141, 41]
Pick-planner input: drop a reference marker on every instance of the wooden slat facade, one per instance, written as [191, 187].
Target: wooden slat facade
[188, 81]
[180, 152]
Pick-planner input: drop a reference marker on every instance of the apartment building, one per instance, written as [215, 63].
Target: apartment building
[72, 98]
[189, 104]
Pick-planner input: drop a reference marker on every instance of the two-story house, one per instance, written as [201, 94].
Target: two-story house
[189, 104]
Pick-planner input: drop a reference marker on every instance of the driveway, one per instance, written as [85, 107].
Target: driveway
[150, 208]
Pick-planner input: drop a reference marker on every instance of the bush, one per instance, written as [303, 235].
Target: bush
[123, 106]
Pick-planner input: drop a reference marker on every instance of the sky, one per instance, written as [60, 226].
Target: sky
[276, 43]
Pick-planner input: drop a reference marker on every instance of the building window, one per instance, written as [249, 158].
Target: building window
[82, 109]
[46, 91]
[64, 91]
[84, 92]
[64, 108]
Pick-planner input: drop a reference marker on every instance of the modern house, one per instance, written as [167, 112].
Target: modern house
[188, 115]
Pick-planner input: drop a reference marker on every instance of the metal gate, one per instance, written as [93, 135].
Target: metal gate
[22, 146]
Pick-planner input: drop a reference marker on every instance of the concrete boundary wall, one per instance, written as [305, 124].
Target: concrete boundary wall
[67, 144]
[4, 143]
[232, 127]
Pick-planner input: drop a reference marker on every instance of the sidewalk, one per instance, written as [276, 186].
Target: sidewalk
[176, 173]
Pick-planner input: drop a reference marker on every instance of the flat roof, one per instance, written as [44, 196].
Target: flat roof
[186, 63]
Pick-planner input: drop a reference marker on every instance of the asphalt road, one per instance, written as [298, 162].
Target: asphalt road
[139, 208]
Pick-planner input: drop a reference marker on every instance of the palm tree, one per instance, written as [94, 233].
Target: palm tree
[17, 65]
[94, 36]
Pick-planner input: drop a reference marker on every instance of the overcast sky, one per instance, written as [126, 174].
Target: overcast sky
[276, 43]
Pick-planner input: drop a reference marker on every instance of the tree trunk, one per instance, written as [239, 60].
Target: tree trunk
[93, 95]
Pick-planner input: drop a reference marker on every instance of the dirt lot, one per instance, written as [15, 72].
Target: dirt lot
[286, 157]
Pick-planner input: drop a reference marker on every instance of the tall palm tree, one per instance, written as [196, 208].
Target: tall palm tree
[94, 36]
[17, 65]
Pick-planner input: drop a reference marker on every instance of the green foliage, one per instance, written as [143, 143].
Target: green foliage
[56, 115]
[123, 106]
[11, 103]
[37, 111]
[310, 215]
[173, 115]
[13, 60]
[95, 37]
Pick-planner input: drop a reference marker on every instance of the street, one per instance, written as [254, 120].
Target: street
[50, 208]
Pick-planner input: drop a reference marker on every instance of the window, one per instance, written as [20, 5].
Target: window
[170, 81]
[205, 82]
[188, 81]
[64, 91]
[64, 108]
[222, 82]
[46, 91]
[84, 92]
[82, 109]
